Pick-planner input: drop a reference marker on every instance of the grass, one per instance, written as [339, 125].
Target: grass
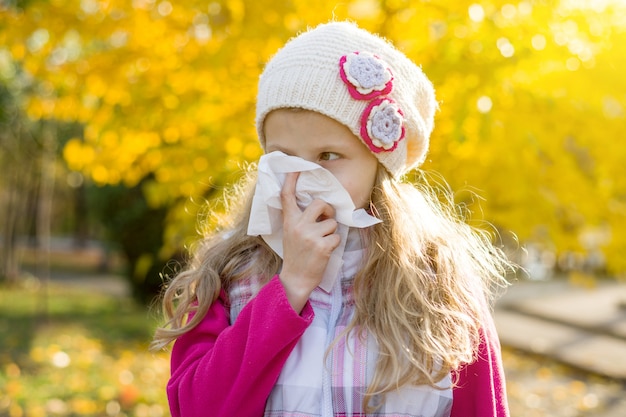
[77, 353]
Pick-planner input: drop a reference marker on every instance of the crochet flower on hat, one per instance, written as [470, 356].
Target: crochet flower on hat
[366, 75]
[382, 125]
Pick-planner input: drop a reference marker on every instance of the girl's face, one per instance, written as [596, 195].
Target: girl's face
[320, 139]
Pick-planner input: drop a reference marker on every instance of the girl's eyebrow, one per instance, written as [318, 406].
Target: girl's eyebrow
[273, 148]
[330, 147]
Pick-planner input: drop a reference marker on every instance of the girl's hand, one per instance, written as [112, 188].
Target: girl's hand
[309, 238]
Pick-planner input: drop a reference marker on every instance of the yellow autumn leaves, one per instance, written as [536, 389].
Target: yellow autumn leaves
[531, 94]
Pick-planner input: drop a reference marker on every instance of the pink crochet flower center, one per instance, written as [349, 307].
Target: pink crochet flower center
[356, 94]
[365, 134]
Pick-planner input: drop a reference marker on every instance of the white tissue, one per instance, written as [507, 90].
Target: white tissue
[314, 182]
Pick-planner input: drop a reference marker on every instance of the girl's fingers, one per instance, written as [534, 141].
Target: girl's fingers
[288, 194]
[317, 211]
[326, 227]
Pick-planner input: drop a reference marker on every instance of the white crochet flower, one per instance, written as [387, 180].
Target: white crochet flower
[382, 125]
[366, 75]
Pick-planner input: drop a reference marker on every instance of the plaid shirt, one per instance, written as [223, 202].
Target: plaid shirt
[312, 385]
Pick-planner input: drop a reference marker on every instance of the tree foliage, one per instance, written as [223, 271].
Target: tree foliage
[531, 115]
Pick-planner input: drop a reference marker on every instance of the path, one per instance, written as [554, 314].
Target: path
[583, 328]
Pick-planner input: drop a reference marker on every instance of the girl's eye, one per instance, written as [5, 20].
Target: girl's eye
[328, 156]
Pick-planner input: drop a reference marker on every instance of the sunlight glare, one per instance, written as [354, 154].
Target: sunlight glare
[476, 13]
[598, 6]
[61, 359]
[484, 104]
[539, 42]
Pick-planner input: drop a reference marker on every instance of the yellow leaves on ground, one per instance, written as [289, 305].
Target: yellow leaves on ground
[83, 366]
[538, 387]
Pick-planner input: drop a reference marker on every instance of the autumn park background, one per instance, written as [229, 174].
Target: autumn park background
[122, 121]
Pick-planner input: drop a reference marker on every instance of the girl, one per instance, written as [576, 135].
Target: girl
[272, 325]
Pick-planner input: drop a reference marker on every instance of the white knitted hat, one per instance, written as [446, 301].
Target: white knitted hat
[360, 80]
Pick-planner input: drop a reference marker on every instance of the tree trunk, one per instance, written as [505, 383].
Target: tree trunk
[44, 211]
[9, 265]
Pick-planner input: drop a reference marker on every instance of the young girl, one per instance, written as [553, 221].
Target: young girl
[363, 295]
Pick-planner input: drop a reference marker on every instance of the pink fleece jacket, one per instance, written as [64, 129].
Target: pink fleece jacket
[219, 370]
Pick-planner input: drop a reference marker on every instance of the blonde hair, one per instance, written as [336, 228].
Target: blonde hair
[423, 291]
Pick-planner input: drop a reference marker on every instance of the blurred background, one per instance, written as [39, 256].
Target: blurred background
[122, 121]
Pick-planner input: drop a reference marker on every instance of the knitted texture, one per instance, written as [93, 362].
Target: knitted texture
[307, 73]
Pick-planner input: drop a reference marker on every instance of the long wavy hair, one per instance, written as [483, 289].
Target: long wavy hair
[423, 291]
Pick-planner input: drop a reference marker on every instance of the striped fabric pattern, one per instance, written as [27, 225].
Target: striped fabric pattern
[318, 382]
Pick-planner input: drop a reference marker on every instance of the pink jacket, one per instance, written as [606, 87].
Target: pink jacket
[219, 370]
